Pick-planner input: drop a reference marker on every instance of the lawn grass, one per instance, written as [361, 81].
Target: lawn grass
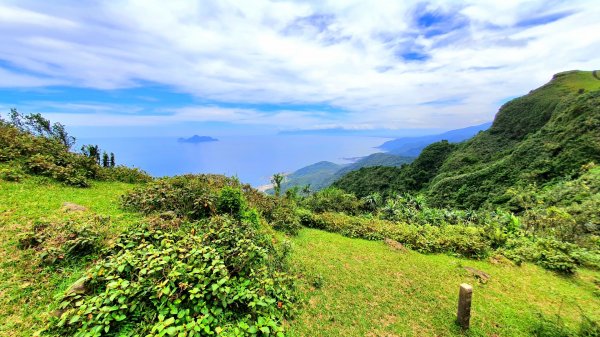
[369, 289]
[27, 290]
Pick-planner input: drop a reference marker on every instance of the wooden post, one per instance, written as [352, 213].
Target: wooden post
[463, 314]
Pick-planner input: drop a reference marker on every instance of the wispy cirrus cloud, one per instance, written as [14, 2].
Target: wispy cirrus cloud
[378, 64]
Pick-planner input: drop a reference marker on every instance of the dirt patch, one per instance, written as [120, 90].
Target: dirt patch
[481, 276]
[395, 245]
[72, 207]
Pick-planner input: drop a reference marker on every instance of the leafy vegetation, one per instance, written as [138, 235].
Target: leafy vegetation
[407, 178]
[220, 276]
[31, 144]
[539, 139]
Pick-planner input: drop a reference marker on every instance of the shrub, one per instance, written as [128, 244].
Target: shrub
[62, 243]
[454, 239]
[14, 174]
[210, 278]
[231, 201]
[556, 255]
[333, 200]
[124, 174]
[194, 196]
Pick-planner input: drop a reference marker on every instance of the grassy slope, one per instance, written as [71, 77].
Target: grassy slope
[27, 291]
[370, 290]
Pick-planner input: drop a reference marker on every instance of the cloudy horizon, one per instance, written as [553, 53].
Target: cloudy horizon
[270, 66]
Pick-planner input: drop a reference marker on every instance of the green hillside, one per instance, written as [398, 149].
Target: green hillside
[539, 138]
[323, 174]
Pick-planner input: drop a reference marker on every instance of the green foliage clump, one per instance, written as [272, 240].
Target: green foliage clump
[215, 277]
[201, 196]
[410, 221]
[14, 174]
[231, 201]
[124, 174]
[43, 148]
[63, 243]
[192, 197]
[333, 200]
[459, 240]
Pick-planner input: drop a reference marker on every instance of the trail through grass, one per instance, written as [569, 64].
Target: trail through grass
[369, 289]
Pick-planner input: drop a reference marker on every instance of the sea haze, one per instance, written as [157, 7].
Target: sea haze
[253, 159]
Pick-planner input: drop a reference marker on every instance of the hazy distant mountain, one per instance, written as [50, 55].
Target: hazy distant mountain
[412, 146]
[197, 139]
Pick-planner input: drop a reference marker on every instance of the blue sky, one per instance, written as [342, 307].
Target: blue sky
[258, 67]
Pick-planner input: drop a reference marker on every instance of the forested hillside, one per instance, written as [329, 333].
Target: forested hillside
[322, 174]
[538, 139]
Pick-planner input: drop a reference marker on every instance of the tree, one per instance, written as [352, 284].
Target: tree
[112, 159]
[37, 125]
[306, 190]
[105, 160]
[92, 151]
[276, 180]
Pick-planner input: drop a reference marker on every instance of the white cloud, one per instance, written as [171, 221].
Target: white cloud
[341, 53]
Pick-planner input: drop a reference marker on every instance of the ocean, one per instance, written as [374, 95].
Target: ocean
[253, 159]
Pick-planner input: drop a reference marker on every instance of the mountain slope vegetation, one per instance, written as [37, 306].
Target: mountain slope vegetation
[323, 174]
[540, 138]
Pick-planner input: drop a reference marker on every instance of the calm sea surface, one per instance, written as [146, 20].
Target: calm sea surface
[253, 159]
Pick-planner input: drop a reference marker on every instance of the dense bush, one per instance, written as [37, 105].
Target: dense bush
[58, 243]
[124, 174]
[15, 174]
[215, 277]
[499, 232]
[333, 200]
[201, 196]
[42, 148]
[460, 240]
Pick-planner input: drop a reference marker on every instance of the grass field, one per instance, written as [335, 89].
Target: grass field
[369, 289]
[27, 291]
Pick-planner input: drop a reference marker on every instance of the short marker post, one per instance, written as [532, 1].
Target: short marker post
[463, 315]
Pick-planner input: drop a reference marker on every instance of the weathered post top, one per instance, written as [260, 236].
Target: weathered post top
[463, 315]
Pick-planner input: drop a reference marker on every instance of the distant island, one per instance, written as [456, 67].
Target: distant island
[197, 139]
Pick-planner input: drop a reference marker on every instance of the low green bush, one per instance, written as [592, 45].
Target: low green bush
[124, 174]
[214, 277]
[334, 200]
[201, 196]
[471, 241]
[459, 240]
[63, 243]
[14, 174]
